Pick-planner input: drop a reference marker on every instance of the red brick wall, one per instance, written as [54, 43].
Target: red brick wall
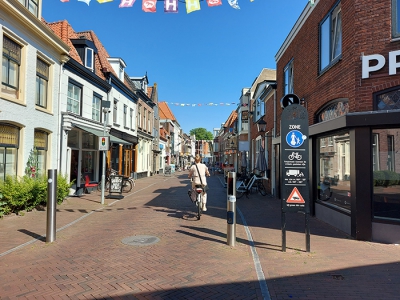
[366, 27]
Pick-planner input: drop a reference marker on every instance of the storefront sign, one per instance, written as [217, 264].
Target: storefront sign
[379, 62]
[116, 184]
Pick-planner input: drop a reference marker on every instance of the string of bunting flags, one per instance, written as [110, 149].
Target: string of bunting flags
[170, 6]
[205, 104]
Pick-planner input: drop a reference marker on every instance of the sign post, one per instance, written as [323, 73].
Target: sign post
[295, 166]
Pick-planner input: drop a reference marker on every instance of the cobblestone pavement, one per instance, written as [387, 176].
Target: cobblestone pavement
[150, 245]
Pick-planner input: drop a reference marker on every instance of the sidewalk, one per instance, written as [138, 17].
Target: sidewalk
[150, 245]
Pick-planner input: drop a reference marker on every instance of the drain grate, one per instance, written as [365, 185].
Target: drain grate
[140, 240]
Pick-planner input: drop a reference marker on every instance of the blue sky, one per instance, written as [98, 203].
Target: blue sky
[206, 56]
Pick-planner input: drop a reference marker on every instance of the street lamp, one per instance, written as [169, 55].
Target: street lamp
[261, 125]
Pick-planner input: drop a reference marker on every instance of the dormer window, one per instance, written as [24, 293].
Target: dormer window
[31, 5]
[89, 58]
[121, 71]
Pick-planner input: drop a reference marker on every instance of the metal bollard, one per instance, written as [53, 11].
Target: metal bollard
[231, 209]
[51, 205]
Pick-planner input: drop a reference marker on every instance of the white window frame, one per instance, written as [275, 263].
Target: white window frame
[125, 115]
[115, 111]
[89, 58]
[71, 100]
[11, 61]
[330, 38]
[96, 108]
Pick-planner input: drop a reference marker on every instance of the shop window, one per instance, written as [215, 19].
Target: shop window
[42, 82]
[74, 98]
[88, 163]
[330, 34]
[96, 108]
[9, 144]
[288, 78]
[73, 139]
[11, 67]
[396, 18]
[388, 100]
[386, 174]
[333, 171]
[88, 140]
[31, 5]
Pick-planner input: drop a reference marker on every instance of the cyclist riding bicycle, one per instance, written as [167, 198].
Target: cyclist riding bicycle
[199, 179]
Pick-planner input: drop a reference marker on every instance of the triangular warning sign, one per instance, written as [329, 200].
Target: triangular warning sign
[295, 197]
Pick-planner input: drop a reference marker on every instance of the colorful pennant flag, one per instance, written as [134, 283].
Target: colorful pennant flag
[64, 0]
[126, 3]
[86, 1]
[171, 6]
[214, 2]
[192, 5]
[104, 1]
[149, 6]
[234, 4]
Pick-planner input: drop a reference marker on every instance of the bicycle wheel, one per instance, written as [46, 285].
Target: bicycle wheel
[99, 186]
[261, 188]
[199, 206]
[240, 193]
[106, 187]
[127, 186]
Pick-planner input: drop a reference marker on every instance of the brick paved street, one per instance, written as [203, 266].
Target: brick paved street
[191, 260]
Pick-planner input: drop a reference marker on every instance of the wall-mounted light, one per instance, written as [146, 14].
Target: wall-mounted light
[261, 125]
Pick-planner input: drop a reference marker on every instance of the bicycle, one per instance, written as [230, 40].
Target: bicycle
[199, 199]
[127, 183]
[245, 188]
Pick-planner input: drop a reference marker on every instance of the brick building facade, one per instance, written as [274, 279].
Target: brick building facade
[340, 59]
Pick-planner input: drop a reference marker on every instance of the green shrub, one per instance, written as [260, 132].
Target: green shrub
[28, 192]
[62, 188]
[391, 178]
[379, 178]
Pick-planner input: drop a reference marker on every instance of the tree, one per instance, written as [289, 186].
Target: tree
[201, 134]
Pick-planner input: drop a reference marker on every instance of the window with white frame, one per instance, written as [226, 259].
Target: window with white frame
[74, 96]
[144, 119]
[125, 115]
[330, 34]
[288, 78]
[396, 18]
[96, 108]
[31, 5]
[115, 111]
[42, 80]
[140, 116]
[131, 119]
[149, 122]
[11, 67]
[89, 58]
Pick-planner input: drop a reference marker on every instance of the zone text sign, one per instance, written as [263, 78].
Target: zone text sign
[294, 159]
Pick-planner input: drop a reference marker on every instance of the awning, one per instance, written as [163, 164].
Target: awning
[99, 133]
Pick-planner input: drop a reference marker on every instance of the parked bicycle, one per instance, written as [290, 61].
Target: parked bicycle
[244, 185]
[127, 182]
